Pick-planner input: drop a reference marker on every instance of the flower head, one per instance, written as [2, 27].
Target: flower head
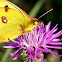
[36, 42]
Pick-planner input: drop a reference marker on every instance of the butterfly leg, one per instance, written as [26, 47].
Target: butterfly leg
[23, 28]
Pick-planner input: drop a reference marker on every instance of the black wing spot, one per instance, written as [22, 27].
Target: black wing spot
[6, 6]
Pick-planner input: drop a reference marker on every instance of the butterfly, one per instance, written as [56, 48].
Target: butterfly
[14, 21]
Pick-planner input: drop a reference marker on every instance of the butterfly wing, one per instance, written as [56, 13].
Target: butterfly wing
[10, 22]
[4, 3]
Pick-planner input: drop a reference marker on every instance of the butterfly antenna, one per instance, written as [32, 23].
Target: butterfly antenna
[45, 13]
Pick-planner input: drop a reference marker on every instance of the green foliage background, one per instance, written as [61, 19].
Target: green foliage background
[35, 8]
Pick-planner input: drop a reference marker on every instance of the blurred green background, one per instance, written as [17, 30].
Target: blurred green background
[35, 8]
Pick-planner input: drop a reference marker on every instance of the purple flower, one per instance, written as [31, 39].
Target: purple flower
[36, 42]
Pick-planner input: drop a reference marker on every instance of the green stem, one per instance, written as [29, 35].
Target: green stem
[6, 55]
[36, 8]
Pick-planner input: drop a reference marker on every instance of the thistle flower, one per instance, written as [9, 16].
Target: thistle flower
[36, 42]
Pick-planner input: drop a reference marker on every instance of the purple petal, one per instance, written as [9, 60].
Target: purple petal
[40, 56]
[53, 53]
[9, 56]
[24, 61]
[43, 50]
[48, 27]
[58, 43]
[12, 54]
[36, 52]
[56, 35]
[56, 40]
[12, 44]
[16, 57]
[29, 58]
[9, 47]
[42, 25]
[54, 27]
[50, 32]
[55, 47]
